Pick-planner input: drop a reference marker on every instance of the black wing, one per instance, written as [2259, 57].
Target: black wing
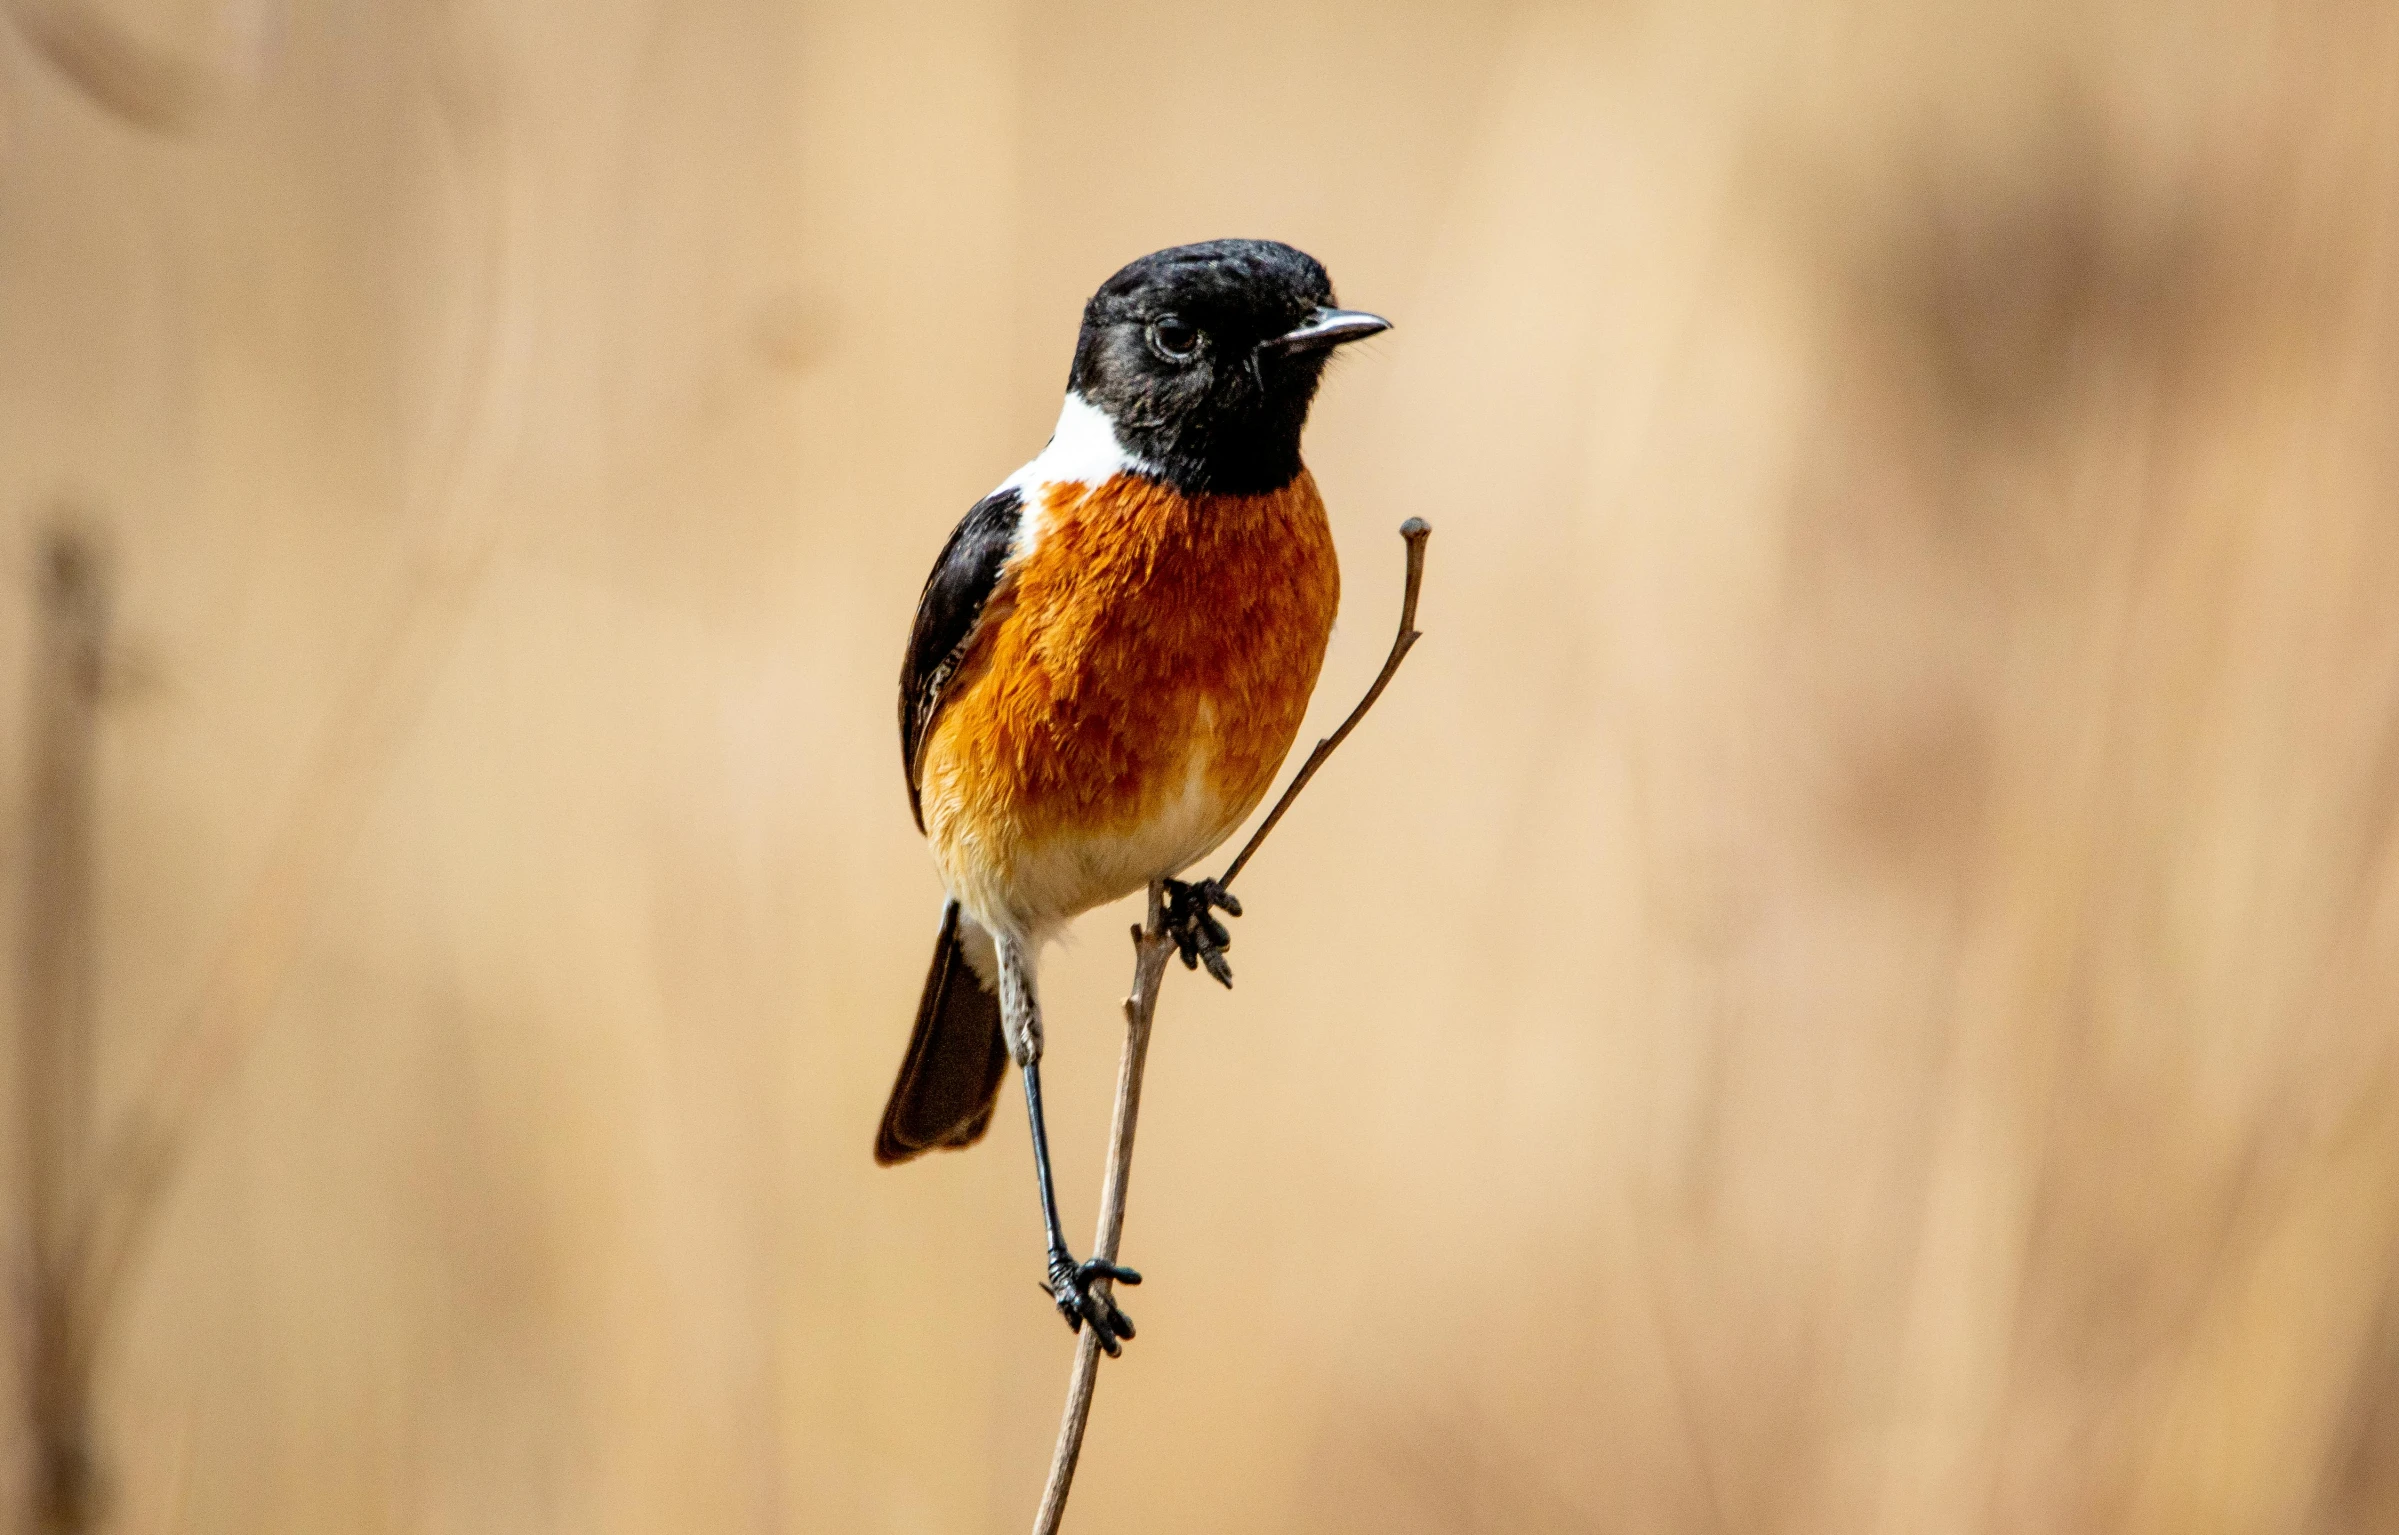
[954, 595]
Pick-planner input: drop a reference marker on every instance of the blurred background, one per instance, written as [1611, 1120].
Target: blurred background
[1848, 987]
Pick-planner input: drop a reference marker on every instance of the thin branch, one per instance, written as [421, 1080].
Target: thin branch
[1415, 530]
[55, 1018]
[1152, 946]
[1151, 949]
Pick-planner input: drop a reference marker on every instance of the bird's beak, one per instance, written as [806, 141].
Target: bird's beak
[1326, 329]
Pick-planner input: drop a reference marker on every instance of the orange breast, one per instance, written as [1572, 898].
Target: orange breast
[1145, 664]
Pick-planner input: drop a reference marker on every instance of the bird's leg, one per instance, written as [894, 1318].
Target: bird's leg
[1071, 1284]
[1198, 936]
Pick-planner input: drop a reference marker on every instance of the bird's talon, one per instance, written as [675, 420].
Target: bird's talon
[1071, 1288]
[1198, 936]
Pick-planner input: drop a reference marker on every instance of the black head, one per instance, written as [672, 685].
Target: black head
[1206, 357]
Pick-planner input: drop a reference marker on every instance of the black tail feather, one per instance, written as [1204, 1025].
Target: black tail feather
[950, 1078]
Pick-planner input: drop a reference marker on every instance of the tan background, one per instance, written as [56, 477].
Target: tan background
[1848, 988]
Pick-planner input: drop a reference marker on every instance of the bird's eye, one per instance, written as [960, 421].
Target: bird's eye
[1177, 340]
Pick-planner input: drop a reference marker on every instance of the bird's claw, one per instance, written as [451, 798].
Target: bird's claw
[1198, 936]
[1072, 1287]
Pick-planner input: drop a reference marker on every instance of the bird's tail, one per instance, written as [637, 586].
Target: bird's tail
[958, 1056]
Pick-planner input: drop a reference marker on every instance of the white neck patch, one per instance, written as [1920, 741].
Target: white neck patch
[1083, 449]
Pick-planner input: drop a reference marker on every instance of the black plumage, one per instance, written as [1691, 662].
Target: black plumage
[946, 613]
[957, 1057]
[1176, 350]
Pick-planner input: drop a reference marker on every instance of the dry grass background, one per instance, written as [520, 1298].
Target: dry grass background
[1849, 987]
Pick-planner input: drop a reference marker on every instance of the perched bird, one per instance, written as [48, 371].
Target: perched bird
[1110, 660]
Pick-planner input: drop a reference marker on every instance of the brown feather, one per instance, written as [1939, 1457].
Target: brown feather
[1145, 625]
[950, 1078]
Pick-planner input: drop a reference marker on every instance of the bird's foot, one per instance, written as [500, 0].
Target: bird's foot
[1197, 934]
[1073, 1287]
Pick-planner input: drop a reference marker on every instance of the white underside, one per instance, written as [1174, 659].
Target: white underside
[982, 955]
[1051, 882]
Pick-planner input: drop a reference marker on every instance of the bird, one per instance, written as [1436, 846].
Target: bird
[1109, 661]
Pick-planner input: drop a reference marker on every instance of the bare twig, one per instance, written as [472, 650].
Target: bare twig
[1415, 530]
[54, 1018]
[372, 717]
[1151, 947]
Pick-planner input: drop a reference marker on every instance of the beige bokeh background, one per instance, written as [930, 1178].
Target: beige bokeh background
[1848, 987]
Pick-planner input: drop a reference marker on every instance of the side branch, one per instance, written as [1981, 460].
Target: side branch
[1152, 947]
[1416, 531]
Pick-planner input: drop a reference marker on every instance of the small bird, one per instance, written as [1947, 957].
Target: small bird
[1110, 659]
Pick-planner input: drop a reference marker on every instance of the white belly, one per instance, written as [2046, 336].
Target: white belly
[1036, 887]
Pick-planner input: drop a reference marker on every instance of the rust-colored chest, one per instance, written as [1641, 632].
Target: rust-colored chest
[1148, 657]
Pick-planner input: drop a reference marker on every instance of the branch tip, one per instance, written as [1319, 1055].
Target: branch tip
[1416, 531]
